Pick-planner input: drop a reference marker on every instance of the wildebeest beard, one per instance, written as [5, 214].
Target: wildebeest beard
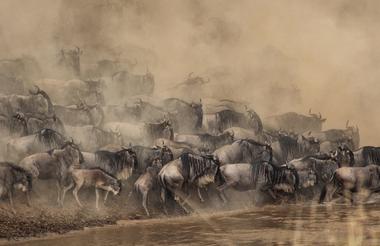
[195, 167]
[50, 138]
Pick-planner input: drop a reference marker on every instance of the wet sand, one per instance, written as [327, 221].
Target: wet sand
[284, 225]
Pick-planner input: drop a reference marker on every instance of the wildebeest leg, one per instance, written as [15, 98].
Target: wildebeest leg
[59, 193]
[11, 202]
[200, 194]
[144, 201]
[221, 190]
[75, 193]
[105, 197]
[28, 198]
[65, 189]
[163, 200]
[97, 198]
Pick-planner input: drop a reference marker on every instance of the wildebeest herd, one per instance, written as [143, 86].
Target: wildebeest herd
[67, 132]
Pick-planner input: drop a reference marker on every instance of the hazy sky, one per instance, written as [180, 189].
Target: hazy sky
[278, 55]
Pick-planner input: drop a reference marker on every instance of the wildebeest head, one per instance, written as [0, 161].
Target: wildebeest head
[343, 156]
[308, 145]
[69, 153]
[23, 179]
[114, 186]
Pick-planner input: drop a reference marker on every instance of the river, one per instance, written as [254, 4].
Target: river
[281, 225]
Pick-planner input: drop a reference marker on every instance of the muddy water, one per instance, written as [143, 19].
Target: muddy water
[284, 225]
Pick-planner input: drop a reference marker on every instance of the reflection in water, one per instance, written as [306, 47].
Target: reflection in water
[293, 224]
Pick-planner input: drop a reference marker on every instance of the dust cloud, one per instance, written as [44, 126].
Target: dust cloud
[277, 55]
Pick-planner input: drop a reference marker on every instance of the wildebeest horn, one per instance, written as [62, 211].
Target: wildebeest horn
[309, 110]
[320, 116]
[190, 74]
[347, 123]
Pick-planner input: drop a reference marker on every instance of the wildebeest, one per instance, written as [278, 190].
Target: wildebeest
[314, 172]
[11, 177]
[297, 123]
[349, 135]
[128, 84]
[244, 151]
[97, 178]
[188, 170]
[261, 176]
[53, 164]
[205, 140]
[349, 180]
[188, 117]
[366, 155]
[146, 155]
[162, 129]
[147, 182]
[119, 164]
[225, 118]
[93, 137]
[41, 141]
[287, 148]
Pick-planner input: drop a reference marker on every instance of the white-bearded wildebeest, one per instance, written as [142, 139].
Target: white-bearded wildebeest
[54, 164]
[41, 141]
[364, 156]
[119, 164]
[349, 180]
[205, 140]
[146, 155]
[95, 177]
[147, 182]
[188, 116]
[11, 177]
[349, 135]
[128, 84]
[141, 133]
[287, 148]
[314, 172]
[243, 151]
[185, 172]
[260, 176]
[292, 121]
[225, 118]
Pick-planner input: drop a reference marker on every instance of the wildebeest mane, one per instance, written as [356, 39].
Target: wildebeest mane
[288, 145]
[194, 166]
[112, 162]
[50, 138]
[371, 155]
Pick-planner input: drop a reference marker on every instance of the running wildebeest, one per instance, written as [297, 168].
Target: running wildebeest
[261, 176]
[288, 148]
[243, 151]
[297, 123]
[188, 116]
[11, 177]
[364, 156]
[163, 129]
[53, 164]
[205, 140]
[41, 141]
[119, 164]
[188, 170]
[349, 180]
[314, 172]
[146, 155]
[147, 182]
[97, 178]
